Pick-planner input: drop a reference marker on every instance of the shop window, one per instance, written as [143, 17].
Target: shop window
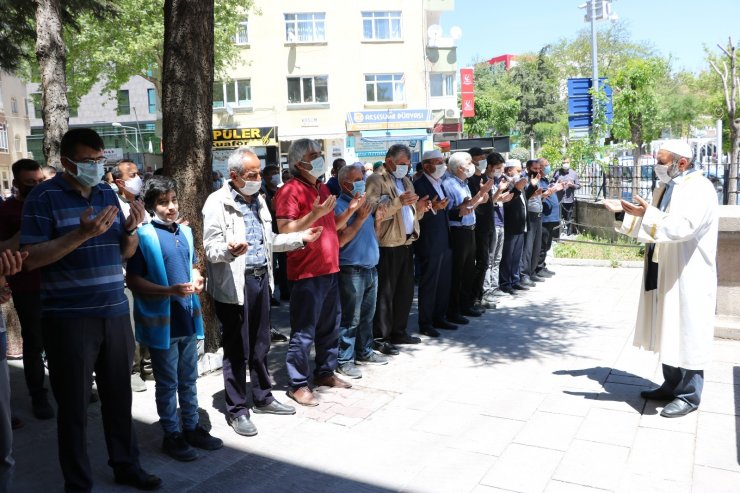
[302, 90]
[14, 106]
[36, 100]
[4, 138]
[381, 25]
[385, 88]
[151, 95]
[305, 28]
[242, 33]
[124, 104]
[441, 84]
[236, 93]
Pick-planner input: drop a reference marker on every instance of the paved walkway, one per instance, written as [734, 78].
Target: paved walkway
[541, 395]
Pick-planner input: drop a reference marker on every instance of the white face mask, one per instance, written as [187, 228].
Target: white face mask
[666, 172]
[482, 165]
[134, 185]
[166, 222]
[250, 187]
[469, 170]
[439, 170]
[498, 173]
[566, 165]
[401, 170]
[317, 167]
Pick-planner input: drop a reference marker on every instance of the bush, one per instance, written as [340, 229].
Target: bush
[520, 153]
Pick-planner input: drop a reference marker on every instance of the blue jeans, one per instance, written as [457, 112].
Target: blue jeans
[358, 290]
[175, 372]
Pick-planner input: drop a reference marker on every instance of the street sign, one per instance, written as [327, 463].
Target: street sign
[580, 103]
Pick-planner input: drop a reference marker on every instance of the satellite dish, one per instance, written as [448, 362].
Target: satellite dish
[455, 32]
[434, 31]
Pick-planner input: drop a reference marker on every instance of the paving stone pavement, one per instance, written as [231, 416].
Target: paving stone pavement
[540, 395]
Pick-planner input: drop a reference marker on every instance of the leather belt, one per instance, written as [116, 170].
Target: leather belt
[462, 227]
[255, 271]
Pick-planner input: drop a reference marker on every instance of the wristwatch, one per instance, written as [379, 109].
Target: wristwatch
[132, 232]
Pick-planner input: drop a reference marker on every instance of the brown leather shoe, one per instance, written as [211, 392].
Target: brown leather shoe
[303, 396]
[331, 380]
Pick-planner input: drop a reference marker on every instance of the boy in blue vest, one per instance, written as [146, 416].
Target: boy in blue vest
[165, 284]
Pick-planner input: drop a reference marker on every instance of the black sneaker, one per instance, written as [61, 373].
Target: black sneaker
[276, 336]
[137, 477]
[200, 438]
[175, 445]
[41, 407]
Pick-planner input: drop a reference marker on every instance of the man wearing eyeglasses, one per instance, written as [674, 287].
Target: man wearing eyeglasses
[76, 234]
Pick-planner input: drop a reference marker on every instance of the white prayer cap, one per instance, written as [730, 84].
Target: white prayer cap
[512, 163]
[433, 154]
[678, 147]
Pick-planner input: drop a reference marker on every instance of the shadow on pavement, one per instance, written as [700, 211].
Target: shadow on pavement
[619, 386]
[226, 470]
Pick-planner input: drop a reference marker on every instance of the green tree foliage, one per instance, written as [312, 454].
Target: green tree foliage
[539, 92]
[496, 104]
[18, 26]
[115, 49]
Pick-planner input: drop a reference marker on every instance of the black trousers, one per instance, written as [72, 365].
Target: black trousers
[246, 342]
[484, 243]
[548, 233]
[395, 291]
[532, 244]
[684, 384]
[434, 288]
[462, 241]
[280, 262]
[509, 273]
[566, 210]
[27, 306]
[76, 347]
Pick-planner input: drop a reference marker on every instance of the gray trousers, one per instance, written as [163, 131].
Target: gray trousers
[6, 431]
[490, 279]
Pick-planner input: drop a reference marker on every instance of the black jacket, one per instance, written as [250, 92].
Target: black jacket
[434, 229]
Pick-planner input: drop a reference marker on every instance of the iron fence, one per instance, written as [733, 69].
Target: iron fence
[622, 180]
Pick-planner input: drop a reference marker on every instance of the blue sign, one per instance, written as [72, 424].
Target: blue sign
[389, 119]
[580, 107]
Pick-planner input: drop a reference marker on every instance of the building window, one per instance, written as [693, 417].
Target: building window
[385, 88]
[151, 95]
[242, 33]
[308, 90]
[73, 111]
[442, 84]
[17, 144]
[4, 138]
[14, 106]
[381, 25]
[305, 28]
[237, 93]
[124, 105]
[36, 100]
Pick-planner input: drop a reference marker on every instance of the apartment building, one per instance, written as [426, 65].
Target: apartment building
[125, 119]
[356, 76]
[14, 126]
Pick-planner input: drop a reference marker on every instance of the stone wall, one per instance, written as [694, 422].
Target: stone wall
[593, 218]
[728, 273]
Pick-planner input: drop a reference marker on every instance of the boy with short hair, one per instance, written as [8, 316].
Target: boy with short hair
[165, 284]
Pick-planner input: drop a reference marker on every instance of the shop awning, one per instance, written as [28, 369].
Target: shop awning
[394, 135]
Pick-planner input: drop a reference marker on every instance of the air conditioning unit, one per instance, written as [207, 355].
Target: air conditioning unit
[452, 113]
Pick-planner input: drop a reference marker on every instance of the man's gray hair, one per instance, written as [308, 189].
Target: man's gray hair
[298, 149]
[235, 159]
[347, 169]
[459, 159]
[675, 158]
[396, 149]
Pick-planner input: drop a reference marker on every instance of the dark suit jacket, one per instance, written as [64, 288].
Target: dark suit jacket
[434, 234]
[515, 214]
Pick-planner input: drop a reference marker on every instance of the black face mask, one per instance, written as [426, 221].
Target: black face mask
[24, 190]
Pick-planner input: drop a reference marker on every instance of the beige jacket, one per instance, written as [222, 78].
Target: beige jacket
[381, 188]
[223, 223]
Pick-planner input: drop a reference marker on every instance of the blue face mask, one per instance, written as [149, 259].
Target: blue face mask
[89, 173]
[547, 170]
[358, 187]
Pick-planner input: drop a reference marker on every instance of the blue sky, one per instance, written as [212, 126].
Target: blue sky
[677, 27]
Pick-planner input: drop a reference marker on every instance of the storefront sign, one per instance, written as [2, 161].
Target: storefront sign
[245, 136]
[113, 154]
[389, 119]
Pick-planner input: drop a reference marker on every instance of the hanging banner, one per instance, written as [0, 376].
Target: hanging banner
[467, 92]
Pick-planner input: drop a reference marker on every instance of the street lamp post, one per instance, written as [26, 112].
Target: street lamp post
[136, 134]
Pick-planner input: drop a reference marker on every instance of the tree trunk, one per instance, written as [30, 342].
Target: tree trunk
[636, 131]
[52, 57]
[187, 94]
[732, 186]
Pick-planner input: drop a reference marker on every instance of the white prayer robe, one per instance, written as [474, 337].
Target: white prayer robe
[676, 320]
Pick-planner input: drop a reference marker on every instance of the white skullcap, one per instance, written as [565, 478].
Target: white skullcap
[358, 163]
[512, 163]
[433, 154]
[678, 147]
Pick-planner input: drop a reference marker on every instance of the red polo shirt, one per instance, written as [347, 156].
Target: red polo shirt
[293, 201]
[10, 223]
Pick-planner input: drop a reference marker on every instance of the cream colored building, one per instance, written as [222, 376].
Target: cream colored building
[355, 75]
[14, 126]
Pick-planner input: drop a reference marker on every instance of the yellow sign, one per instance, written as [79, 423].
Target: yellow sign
[226, 138]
